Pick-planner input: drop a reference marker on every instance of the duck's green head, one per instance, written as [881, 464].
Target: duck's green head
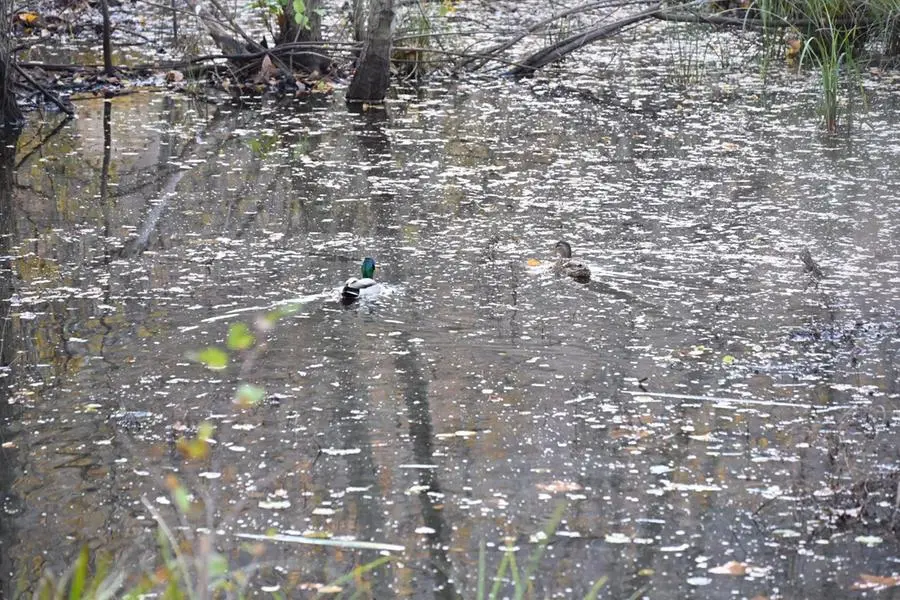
[368, 268]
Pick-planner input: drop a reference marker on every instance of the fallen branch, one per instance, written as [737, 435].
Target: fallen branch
[57, 66]
[493, 51]
[560, 49]
[747, 22]
[66, 108]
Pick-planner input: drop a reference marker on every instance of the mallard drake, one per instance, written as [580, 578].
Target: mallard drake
[566, 266]
[365, 286]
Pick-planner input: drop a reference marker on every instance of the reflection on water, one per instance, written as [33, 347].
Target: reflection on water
[698, 402]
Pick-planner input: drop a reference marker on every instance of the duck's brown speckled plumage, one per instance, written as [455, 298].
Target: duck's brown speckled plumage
[566, 266]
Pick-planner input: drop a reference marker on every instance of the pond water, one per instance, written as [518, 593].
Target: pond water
[700, 401]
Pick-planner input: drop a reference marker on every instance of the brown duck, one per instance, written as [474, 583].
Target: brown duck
[566, 266]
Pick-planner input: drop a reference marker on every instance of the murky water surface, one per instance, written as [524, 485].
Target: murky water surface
[700, 401]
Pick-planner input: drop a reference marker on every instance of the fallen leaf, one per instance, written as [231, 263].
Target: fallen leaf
[29, 18]
[559, 486]
[732, 567]
[875, 582]
[266, 71]
[533, 262]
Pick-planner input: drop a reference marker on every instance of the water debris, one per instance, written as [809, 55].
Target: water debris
[485, 387]
[690, 487]
[557, 487]
[723, 400]
[334, 542]
[811, 267]
[732, 567]
[875, 582]
[341, 451]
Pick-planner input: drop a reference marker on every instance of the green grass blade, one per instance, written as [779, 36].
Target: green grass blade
[101, 573]
[79, 574]
[498, 577]
[482, 568]
[549, 530]
[360, 570]
[595, 589]
[639, 593]
[514, 570]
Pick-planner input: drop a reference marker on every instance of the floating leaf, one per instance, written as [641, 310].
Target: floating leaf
[728, 360]
[239, 337]
[875, 582]
[869, 540]
[559, 486]
[732, 567]
[28, 18]
[533, 262]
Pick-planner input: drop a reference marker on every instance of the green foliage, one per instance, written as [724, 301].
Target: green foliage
[80, 582]
[831, 52]
[832, 35]
[270, 7]
[522, 580]
[212, 357]
[239, 337]
[276, 8]
[300, 15]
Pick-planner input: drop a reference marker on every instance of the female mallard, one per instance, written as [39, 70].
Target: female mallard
[566, 266]
[366, 286]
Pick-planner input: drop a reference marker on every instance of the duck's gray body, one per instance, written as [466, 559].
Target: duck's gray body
[365, 286]
[354, 288]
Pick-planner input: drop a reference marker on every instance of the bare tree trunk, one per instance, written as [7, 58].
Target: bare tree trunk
[358, 20]
[10, 114]
[373, 72]
[108, 69]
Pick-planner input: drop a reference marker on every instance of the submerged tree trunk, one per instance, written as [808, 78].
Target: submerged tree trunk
[373, 73]
[10, 114]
